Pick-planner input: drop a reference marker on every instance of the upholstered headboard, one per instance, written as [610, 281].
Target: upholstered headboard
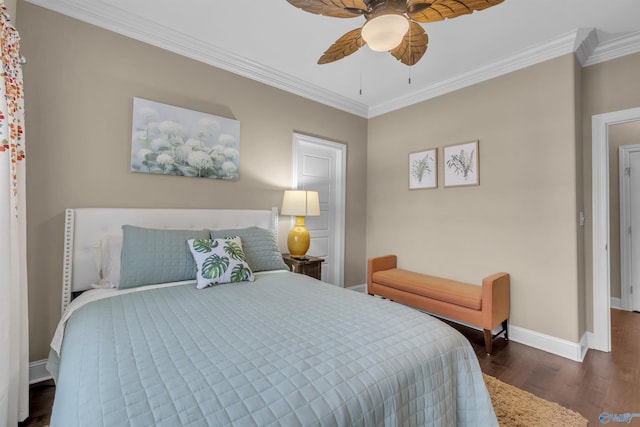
[86, 227]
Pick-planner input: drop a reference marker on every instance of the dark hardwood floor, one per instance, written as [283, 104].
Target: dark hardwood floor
[603, 382]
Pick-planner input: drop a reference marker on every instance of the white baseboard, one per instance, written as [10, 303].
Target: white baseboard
[38, 371]
[359, 288]
[551, 344]
[586, 342]
[616, 303]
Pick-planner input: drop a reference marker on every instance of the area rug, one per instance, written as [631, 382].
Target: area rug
[518, 408]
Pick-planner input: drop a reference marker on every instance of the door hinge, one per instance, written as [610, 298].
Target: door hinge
[631, 289]
[629, 229]
[627, 171]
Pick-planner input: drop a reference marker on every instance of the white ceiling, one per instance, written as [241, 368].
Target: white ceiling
[275, 43]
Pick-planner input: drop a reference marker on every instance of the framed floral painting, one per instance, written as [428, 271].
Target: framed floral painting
[176, 141]
[423, 169]
[461, 165]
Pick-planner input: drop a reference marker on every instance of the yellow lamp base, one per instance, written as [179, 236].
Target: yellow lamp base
[298, 240]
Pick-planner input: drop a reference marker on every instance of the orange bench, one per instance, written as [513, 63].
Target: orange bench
[485, 306]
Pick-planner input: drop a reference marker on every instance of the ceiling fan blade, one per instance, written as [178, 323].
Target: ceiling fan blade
[437, 10]
[334, 8]
[344, 46]
[413, 46]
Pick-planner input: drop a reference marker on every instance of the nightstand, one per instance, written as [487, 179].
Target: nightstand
[312, 266]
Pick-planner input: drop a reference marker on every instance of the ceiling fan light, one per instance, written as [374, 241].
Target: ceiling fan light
[385, 32]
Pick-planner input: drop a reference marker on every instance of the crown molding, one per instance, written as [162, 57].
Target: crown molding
[551, 49]
[615, 48]
[586, 43]
[150, 32]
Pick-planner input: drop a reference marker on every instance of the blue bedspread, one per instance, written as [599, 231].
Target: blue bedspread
[283, 350]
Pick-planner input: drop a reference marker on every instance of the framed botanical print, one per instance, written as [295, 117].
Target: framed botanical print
[423, 169]
[461, 165]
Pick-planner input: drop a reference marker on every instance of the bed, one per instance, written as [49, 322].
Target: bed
[277, 349]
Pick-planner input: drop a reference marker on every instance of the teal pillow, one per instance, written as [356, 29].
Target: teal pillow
[260, 246]
[151, 256]
[219, 261]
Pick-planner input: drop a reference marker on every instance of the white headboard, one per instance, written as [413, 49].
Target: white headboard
[84, 228]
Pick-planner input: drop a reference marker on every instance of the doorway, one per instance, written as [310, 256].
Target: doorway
[320, 165]
[600, 212]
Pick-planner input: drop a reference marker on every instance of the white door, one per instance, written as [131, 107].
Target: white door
[320, 165]
[630, 226]
[634, 193]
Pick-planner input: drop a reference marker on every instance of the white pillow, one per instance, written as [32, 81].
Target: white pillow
[219, 261]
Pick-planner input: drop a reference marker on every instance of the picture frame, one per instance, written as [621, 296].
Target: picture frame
[423, 169]
[170, 140]
[461, 164]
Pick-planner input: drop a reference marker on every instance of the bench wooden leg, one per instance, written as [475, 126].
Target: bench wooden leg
[488, 341]
[488, 336]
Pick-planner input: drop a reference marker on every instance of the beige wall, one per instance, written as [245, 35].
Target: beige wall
[607, 87]
[79, 85]
[521, 219]
[620, 135]
[11, 8]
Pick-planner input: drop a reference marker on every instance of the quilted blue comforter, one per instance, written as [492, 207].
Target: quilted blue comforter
[283, 350]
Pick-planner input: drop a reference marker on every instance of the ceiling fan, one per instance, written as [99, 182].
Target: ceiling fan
[391, 25]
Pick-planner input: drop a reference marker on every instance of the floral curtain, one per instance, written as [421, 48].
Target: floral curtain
[14, 323]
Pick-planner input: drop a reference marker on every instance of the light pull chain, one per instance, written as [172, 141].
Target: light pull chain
[361, 59]
[410, 52]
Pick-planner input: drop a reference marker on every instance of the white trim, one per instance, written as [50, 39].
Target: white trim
[340, 150]
[550, 344]
[615, 48]
[561, 45]
[586, 42]
[616, 303]
[540, 341]
[38, 371]
[626, 298]
[600, 206]
[358, 288]
[585, 344]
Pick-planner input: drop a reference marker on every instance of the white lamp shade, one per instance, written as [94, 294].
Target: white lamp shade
[385, 32]
[301, 203]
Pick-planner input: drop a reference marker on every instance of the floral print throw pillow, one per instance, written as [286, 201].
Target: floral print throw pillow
[219, 261]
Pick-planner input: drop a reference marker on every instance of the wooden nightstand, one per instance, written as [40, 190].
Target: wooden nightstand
[312, 266]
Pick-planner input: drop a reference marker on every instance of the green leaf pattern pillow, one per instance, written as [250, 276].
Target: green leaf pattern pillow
[219, 261]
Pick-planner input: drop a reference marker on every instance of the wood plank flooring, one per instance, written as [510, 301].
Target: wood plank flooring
[603, 382]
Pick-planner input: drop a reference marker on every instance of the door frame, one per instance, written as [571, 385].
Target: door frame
[340, 150]
[600, 211]
[625, 223]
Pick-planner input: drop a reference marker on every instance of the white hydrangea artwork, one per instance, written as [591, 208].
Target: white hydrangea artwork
[176, 141]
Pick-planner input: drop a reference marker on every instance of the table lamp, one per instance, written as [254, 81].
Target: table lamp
[300, 203]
